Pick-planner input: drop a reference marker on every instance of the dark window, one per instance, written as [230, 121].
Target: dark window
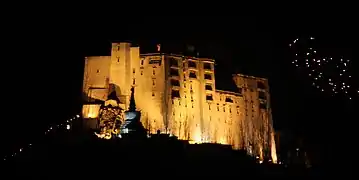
[209, 87]
[228, 99]
[191, 64]
[134, 81]
[142, 62]
[154, 72]
[209, 97]
[207, 66]
[208, 76]
[98, 71]
[133, 70]
[174, 72]
[174, 62]
[154, 61]
[262, 106]
[260, 85]
[192, 75]
[175, 94]
[261, 95]
[175, 82]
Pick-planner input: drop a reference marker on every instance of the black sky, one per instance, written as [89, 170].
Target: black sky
[43, 65]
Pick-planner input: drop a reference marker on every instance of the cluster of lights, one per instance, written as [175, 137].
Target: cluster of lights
[328, 74]
[50, 129]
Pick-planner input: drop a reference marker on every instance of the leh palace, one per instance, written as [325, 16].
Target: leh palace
[177, 95]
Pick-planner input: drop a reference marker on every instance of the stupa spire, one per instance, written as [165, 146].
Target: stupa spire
[132, 106]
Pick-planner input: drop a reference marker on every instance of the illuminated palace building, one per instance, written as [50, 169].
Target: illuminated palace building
[177, 95]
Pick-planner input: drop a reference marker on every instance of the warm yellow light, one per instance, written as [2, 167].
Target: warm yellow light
[91, 115]
[225, 118]
[273, 149]
[197, 136]
[223, 140]
[90, 110]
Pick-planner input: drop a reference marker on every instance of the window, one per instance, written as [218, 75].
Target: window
[153, 82]
[209, 97]
[154, 72]
[134, 81]
[142, 61]
[133, 70]
[97, 71]
[207, 66]
[155, 61]
[153, 94]
[175, 94]
[174, 72]
[118, 59]
[261, 95]
[192, 74]
[141, 72]
[208, 76]
[228, 99]
[208, 87]
[262, 106]
[192, 64]
[260, 85]
[174, 62]
[175, 82]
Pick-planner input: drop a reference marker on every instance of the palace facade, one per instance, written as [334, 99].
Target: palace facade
[177, 94]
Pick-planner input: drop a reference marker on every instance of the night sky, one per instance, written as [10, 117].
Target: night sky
[43, 67]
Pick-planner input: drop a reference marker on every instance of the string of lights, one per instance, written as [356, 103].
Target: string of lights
[329, 74]
[66, 125]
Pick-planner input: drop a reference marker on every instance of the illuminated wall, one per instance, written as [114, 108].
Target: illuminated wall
[95, 83]
[177, 94]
